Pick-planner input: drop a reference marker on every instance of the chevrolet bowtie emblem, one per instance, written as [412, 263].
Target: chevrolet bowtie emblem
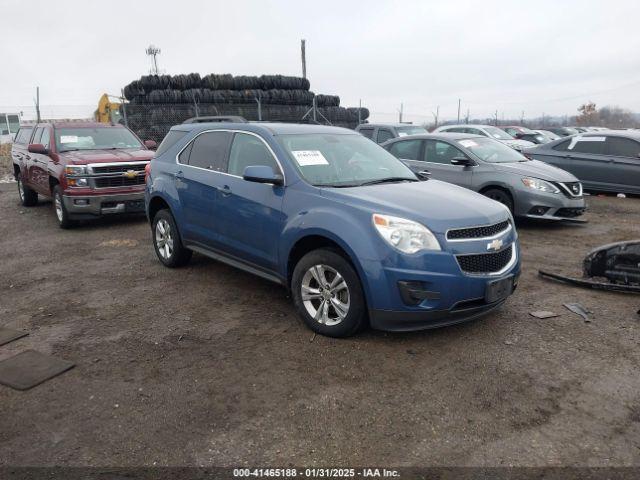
[130, 174]
[495, 245]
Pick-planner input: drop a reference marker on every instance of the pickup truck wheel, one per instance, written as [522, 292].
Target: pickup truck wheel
[327, 294]
[61, 212]
[28, 197]
[167, 242]
[500, 196]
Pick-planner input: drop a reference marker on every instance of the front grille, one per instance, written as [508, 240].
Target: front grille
[125, 167]
[485, 262]
[105, 182]
[477, 232]
[571, 189]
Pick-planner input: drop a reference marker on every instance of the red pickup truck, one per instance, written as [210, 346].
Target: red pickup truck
[88, 169]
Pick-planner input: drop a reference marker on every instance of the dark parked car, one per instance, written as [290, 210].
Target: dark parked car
[563, 131]
[607, 161]
[381, 132]
[335, 218]
[87, 169]
[528, 188]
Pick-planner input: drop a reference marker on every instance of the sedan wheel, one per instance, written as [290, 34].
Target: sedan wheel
[325, 295]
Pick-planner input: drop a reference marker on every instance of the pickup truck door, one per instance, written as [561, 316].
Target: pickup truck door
[39, 163]
[20, 154]
[437, 156]
[198, 178]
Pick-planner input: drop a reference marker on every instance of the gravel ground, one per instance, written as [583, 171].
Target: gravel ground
[207, 365]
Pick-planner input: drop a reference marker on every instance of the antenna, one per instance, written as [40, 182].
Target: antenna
[153, 52]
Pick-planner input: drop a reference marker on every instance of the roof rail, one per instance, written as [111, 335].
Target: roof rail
[230, 118]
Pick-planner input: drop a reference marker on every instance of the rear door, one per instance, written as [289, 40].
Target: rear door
[201, 170]
[437, 156]
[20, 154]
[624, 173]
[249, 214]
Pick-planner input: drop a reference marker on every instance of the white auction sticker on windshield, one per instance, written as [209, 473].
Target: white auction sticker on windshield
[68, 139]
[307, 158]
[468, 143]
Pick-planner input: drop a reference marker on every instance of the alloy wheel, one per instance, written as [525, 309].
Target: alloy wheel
[164, 239]
[58, 205]
[325, 295]
[21, 189]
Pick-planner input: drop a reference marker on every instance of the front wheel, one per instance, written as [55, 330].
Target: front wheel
[500, 196]
[327, 294]
[167, 242]
[28, 197]
[61, 212]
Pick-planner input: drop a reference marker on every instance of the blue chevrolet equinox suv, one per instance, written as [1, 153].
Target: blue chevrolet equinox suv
[339, 221]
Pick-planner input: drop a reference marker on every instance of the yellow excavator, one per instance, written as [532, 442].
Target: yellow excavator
[108, 109]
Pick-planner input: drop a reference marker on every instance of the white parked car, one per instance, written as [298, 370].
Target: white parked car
[487, 131]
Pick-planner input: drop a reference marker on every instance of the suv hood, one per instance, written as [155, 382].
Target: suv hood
[437, 205]
[83, 157]
[536, 169]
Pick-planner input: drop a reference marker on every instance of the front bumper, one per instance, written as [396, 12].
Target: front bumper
[90, 206]
[548, 206]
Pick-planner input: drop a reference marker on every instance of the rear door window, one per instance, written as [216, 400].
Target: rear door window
[623, 147]
[384, 135]
[210, 150]
[24, 135]
[406, 150]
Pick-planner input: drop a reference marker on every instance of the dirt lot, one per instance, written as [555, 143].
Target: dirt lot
[210, 366]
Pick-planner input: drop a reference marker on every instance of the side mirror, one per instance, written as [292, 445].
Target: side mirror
[462, 161]
[262, 174]
[423, 174]
[150, 144]
[38, 148]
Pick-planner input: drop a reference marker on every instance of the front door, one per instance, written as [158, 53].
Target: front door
[437, 157]
[249, 214]
[39, 162]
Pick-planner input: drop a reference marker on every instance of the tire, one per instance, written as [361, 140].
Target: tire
[500, 196]
[167, 242]
[334, 321]
[28, 197]
[60, 210]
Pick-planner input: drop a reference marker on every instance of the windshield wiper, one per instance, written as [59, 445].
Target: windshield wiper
[389, 180]
[333, 185]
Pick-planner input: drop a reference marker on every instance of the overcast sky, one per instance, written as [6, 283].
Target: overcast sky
[537, 56]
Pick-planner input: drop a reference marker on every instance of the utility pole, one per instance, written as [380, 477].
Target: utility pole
[303, 52]
[496, 118]
[38, 104]
[400, 112]
[359, 111]
[436, 115]
[467, 121]
[522, 118]
[459, 110]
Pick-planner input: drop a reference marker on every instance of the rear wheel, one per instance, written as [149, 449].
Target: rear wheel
[167, 242]
[500, 196]
[28, 197]
[327, 294]
[61, 212]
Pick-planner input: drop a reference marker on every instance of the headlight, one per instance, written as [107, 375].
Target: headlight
[74, 170]
[405, 235]
[540, 185]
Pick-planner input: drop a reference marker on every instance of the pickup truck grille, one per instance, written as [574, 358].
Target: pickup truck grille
[106, 182]
[477, 232]
[117, 174]
[485, 262]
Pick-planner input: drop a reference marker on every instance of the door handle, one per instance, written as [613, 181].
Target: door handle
[226, 190]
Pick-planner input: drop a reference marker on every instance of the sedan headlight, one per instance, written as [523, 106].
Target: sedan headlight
[540, 185]
[405, 235]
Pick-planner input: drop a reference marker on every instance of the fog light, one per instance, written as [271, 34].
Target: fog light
[538, 210]
[81, 201]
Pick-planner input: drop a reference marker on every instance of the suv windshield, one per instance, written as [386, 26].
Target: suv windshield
[331, 160]
[100, 138]
[497, 133]
[404, 131]
[491, 151]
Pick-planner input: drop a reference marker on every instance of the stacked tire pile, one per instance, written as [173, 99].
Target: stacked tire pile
[156, 102]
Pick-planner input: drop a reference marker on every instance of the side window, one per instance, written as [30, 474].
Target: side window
[367, 132]
[562, 146]
[623, 147]
[209, 151]
[248, 150]
[36, 137]
[588, 145]
[440, 152]
[407, 150]
[24, 135]
[45, 140]
[383, 135]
